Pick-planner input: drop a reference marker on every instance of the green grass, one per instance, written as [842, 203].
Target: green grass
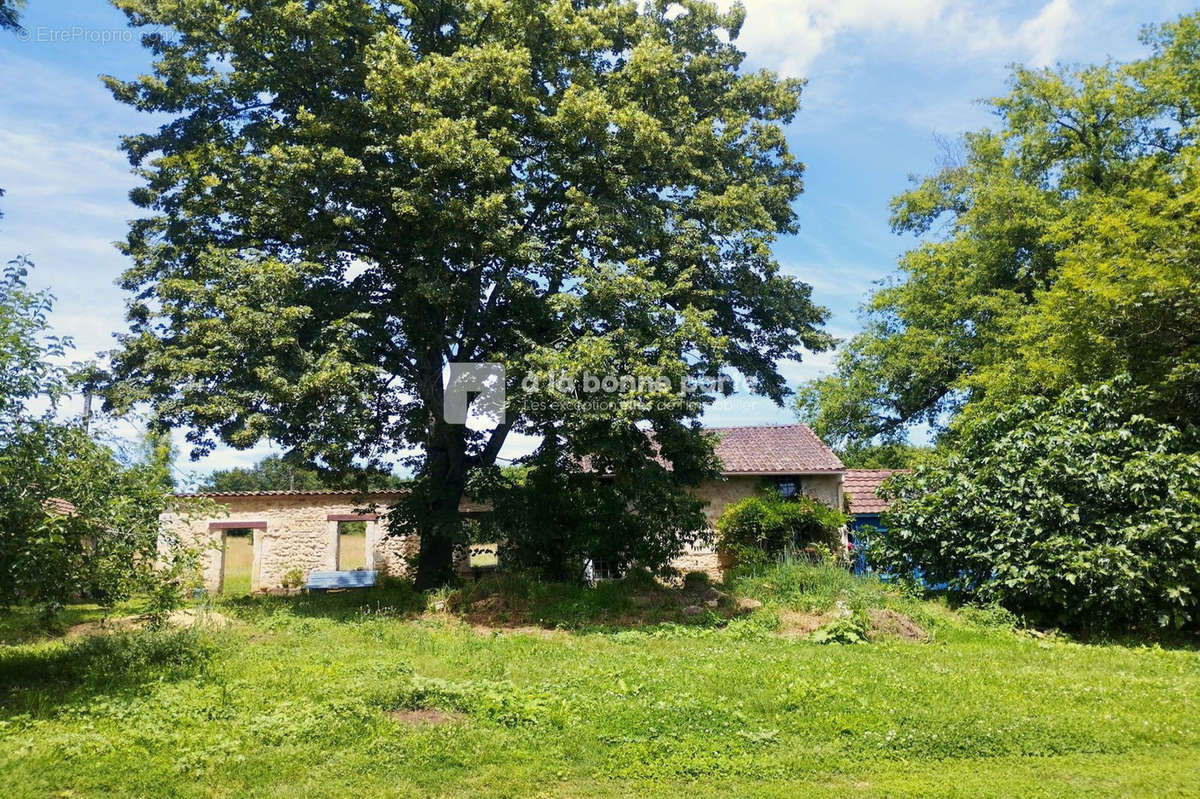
[293, 700]
[352, 553]
[239, 560]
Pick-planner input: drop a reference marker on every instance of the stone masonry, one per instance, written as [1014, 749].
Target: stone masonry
[298, 530]
[292, 530]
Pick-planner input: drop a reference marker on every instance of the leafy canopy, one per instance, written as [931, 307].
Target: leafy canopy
[553, 516]
[10, 14]
[1068, 253]
[1078, 512]
[76, 520]
[350, 195]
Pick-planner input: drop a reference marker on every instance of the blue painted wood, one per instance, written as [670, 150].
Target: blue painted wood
[327, 581]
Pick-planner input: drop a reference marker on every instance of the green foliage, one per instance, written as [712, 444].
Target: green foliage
[272, 473]
[581, 188]
[27, 349]
[851, 629]
[552, 518]
[1078, 513]
[10, 14]
[757, 530]
[293, 578]
[886, 455]
[105, 545]
[76, 520]
[1070, 256]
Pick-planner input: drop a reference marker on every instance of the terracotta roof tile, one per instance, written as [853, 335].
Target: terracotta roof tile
[861, 487]
[779, 449]
[59, 506]
[316, 492]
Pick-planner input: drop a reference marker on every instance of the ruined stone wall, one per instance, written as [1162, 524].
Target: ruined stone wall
[298, 534]
[295, 531]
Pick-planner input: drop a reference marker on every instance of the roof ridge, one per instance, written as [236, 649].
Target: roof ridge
[760, 426]
[296, 492]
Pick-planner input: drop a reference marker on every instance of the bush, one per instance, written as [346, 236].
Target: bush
[1076, 513]
[554, 518]
[759, 529]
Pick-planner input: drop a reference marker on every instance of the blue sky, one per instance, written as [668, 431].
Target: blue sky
[884, 80]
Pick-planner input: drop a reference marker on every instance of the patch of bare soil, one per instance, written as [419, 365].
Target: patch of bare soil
[426, 717]
[495, 611]
[189, 617]
[519, 629]
[89, 628]
[887, 623]
[795, 624]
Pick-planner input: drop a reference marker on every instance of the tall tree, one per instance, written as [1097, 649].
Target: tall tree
[75, 519]
[350, 195]
[10, 14]
[1070, 254]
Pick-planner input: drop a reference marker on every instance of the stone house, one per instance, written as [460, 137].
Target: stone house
[789, 457]
[294, 530]
[299, 530]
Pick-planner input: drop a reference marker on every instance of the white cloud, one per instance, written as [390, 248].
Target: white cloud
[790, 35]
[1044, 35]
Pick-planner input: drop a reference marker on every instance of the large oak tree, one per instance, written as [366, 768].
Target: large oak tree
[348, 195]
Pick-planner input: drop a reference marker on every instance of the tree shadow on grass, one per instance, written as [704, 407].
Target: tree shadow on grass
[638, 601]
[36, 679]
[508, 600]
[391, 597]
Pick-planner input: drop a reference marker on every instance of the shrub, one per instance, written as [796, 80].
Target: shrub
[554, 518]
[293, 578]
[759, 529]
[1077, 513]
[842, 630]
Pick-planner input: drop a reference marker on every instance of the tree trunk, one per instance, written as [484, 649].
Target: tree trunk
[440, 524]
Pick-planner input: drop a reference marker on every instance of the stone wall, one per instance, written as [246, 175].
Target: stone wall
[291, 531]
[294, 530]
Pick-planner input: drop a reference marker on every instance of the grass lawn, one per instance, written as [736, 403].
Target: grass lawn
[352, 551]
[239, 559]
[371, 694]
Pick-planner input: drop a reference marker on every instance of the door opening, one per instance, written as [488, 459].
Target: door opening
[237, 560]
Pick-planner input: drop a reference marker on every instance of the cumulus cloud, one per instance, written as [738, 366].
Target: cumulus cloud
[790, 35]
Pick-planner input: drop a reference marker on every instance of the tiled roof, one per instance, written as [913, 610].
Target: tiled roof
[315, 492]
[780, 449]
[861, 485]
[59, 506]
